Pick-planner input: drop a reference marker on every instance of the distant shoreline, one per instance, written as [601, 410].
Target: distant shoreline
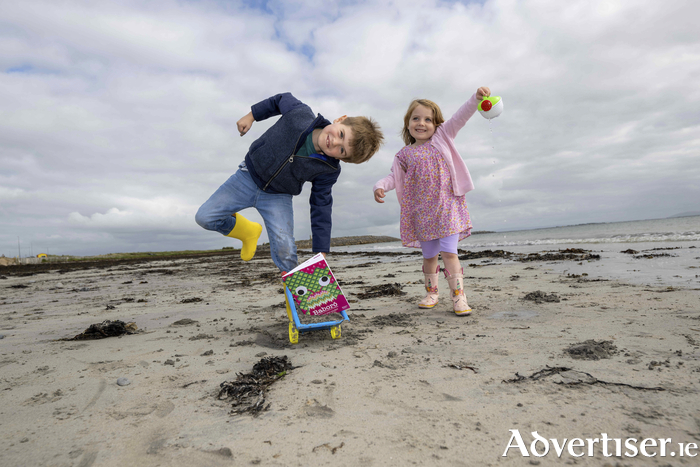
[46, 263]
[346, 241]
[359, 240]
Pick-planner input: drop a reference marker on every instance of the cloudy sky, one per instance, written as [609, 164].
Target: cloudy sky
[118, 119]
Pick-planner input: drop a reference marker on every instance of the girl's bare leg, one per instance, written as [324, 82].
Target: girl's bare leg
[431, 264]
[451, 261]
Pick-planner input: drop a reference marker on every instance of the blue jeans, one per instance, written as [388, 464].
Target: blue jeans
[240, 192]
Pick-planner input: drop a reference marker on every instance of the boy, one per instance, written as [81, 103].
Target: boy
[298, 148]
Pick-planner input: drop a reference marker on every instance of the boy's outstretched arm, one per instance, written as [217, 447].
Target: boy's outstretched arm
[278, 104]
[245, 123]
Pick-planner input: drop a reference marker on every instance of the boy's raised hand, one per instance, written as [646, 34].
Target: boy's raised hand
[245, 123]
[378, 195]
[482, 92]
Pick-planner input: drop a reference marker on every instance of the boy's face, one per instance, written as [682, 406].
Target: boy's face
[334, 140]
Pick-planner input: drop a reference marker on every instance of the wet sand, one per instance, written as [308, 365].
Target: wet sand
[563, 355]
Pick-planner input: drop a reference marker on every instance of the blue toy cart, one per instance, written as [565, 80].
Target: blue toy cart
[296, 327]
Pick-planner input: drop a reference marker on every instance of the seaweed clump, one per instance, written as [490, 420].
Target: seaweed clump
[106, 329]
[540, 297]
[248, 392]
[592, 350]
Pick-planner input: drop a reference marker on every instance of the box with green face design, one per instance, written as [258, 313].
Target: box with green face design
[314, 288]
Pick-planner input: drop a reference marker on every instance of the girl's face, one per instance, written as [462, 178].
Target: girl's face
[421, 125]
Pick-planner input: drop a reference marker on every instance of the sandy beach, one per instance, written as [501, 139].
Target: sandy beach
[566, 356]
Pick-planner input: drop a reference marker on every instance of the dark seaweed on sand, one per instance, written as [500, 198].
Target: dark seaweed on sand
[467, 255]
[105, 329]
[540, 297]
[573, 378]
[592, 350]
[569, 254]
[247, 393]
[382, 290]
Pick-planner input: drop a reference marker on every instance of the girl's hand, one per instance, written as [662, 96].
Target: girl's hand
[483, 92]
[245, 123]
[378, 195]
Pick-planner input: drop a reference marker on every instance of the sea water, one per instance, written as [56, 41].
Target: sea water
[677, 239]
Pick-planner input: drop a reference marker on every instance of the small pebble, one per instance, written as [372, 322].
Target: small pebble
[123, 382]
[261, 354]
[2, 336]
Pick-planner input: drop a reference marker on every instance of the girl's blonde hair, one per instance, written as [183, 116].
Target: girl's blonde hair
[437, 118]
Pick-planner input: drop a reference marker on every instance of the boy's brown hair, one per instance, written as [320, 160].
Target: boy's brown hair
[437, 118]
[366, 139]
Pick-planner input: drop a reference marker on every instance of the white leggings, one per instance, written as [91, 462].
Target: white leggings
[433, 247]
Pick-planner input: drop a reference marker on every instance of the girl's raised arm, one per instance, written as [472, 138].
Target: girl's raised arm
[452, 126]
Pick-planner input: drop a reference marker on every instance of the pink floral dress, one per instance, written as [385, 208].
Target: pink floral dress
[429, 208]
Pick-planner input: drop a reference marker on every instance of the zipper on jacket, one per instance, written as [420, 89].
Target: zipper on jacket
[321, 160]
[288, 161]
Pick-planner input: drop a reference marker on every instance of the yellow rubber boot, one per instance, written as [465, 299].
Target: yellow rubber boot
[248, 232]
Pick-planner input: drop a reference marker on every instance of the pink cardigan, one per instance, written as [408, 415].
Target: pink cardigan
[443, 141]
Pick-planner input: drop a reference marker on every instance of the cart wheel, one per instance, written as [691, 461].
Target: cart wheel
[335, 331]
[289, 310]
[293, 334]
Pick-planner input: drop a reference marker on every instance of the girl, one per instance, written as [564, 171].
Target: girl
[431, 179]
